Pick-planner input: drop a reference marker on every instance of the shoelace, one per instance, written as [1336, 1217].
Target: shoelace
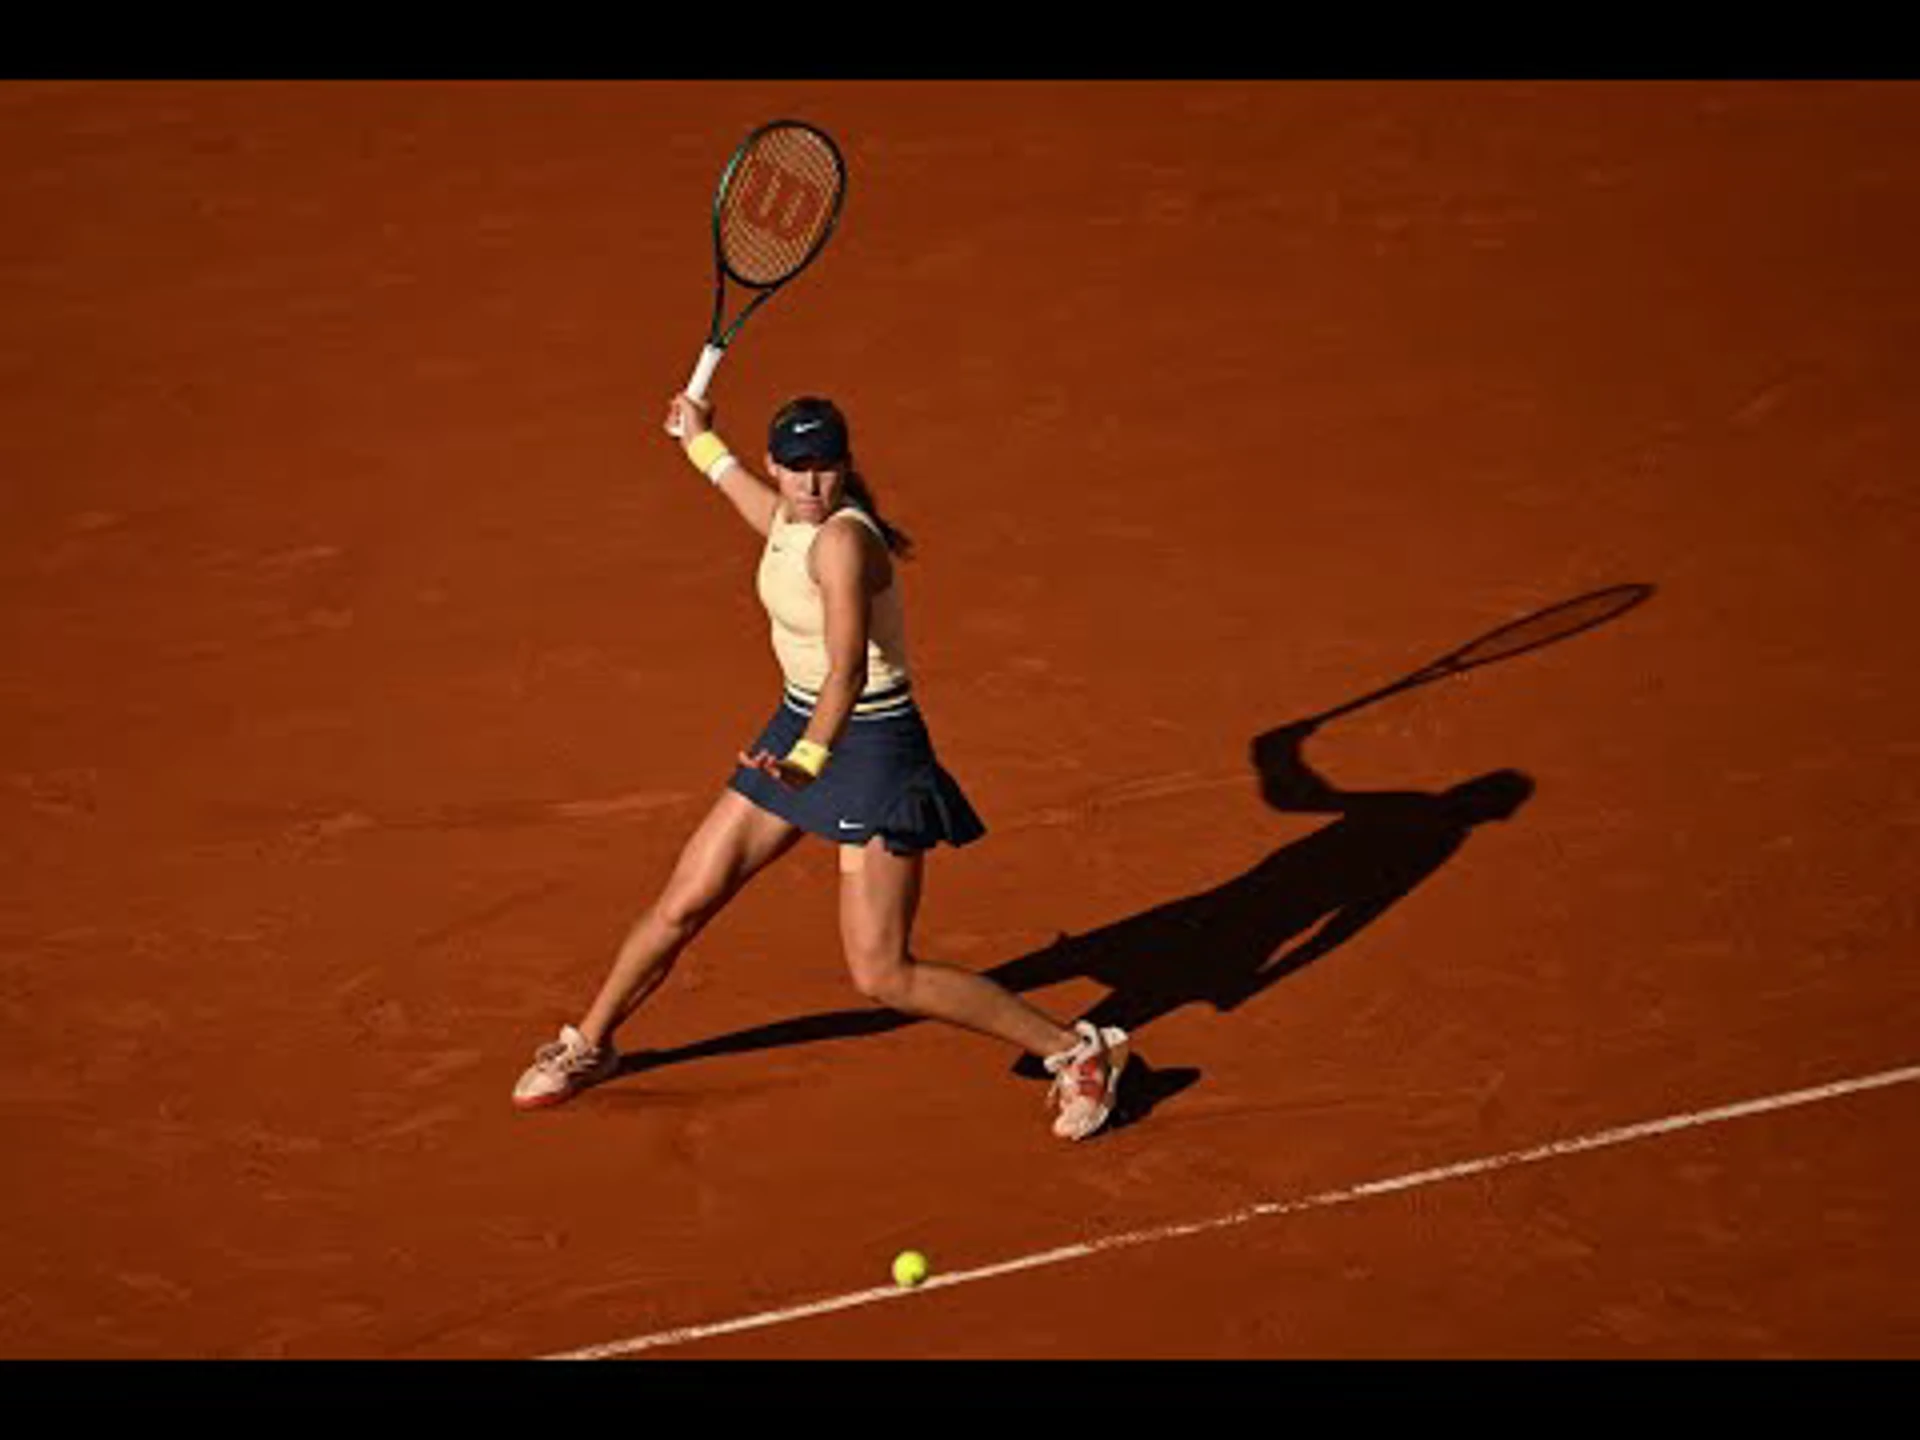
[556, 1054]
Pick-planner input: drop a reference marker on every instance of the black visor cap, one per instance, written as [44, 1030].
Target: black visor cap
[808, 430]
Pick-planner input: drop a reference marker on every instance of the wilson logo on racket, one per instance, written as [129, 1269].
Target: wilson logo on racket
[780, 202]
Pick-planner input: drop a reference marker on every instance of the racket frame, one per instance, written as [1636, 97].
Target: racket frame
[717, 339]
[1462, 659]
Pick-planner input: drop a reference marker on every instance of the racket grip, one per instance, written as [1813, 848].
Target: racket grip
[703, 374]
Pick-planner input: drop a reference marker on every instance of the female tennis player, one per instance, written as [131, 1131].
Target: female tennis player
[847, 757]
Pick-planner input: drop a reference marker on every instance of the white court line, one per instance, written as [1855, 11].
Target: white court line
[1264, 1210]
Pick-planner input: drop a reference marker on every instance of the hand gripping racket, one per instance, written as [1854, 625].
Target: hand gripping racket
[777, 204]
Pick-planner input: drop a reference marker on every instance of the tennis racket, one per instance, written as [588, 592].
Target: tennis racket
[1516, 637]
[778, 201]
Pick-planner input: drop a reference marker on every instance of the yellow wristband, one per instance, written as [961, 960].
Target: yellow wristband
[706, 450]
[808, 755]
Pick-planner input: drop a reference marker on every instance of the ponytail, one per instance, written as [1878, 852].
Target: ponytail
[898, 542]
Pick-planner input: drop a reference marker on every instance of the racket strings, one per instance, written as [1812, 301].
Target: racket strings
[779, 204]
[1556, 623]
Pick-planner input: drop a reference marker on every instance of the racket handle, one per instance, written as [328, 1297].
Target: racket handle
[702, 376]
[703, 372]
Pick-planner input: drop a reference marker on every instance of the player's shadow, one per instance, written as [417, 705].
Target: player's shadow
[1227, 945]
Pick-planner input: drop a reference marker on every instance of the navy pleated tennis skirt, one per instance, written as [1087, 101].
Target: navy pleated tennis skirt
[883, 779]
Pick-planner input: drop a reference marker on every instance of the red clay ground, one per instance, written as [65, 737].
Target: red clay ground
[368, 653]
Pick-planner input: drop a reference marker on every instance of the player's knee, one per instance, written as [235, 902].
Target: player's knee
[686, 906]
[881, 978]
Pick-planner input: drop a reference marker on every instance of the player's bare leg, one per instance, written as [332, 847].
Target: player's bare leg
[879, 895]
[732, 844]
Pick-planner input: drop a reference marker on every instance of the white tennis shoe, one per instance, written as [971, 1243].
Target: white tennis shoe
[563, 1068]
[1086, 1079]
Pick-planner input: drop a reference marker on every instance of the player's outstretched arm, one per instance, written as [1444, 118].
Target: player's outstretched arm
[688, 421]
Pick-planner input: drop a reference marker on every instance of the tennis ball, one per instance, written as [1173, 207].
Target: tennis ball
[909, 1268]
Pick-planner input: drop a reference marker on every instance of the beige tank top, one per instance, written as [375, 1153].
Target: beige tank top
[798, 614]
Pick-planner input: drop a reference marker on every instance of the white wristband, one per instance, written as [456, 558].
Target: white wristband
[719, 468]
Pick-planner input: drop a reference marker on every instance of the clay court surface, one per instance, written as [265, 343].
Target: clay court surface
[368, 653]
